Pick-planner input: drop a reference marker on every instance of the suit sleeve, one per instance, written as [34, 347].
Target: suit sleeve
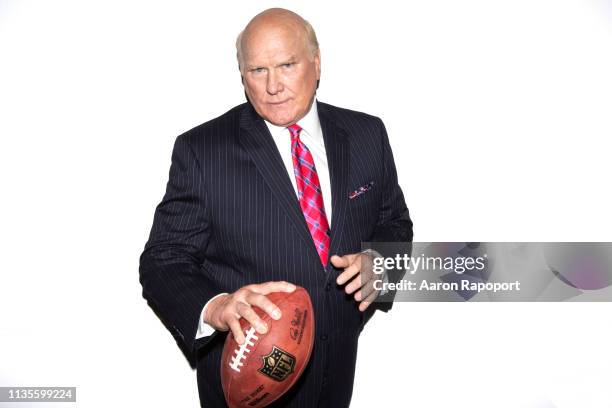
[393, 224]
[172, 266]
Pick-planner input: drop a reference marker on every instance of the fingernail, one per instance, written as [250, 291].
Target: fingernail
[263, 328]
[276, 314]
[291, 287]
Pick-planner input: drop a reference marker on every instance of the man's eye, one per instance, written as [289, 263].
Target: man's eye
[288, 65]
[258, 70]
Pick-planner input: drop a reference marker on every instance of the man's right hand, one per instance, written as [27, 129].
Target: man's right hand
[224, 312]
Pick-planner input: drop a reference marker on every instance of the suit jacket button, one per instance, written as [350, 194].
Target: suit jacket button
[328, 287]
[324, 337]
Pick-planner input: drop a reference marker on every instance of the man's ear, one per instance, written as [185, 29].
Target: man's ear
[317, 60]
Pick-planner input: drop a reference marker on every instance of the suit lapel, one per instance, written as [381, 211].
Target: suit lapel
[257, 141]
[337, 147]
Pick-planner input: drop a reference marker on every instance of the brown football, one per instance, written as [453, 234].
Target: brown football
[265, 366]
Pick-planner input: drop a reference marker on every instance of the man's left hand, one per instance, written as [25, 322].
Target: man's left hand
[359, 273]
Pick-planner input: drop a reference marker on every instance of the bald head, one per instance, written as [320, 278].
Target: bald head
[275, 19]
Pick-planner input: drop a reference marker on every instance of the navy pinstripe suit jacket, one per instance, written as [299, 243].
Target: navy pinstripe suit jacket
[230, 217]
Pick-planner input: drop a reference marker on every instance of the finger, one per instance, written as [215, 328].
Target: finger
[274, 286]
[339, 261]
[262, 302]
[354, 285]
[366, 289]
[234, 326]
[343, 261]
[349, 272]
[364, 305]
[252, 317]
[368, 301]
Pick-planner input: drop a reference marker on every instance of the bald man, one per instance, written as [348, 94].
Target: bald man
[279, 191]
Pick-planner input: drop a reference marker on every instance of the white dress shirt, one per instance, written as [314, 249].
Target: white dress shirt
[311, 136]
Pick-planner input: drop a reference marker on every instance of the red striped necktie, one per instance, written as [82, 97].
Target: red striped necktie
[310, 194]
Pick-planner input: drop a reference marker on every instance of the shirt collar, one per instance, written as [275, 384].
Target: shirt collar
[309, 123]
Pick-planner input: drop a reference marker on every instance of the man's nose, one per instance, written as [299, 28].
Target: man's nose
[274, 84]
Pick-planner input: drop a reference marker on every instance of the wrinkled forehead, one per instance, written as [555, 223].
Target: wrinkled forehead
[273, 39]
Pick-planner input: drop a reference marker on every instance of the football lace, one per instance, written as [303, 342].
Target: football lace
[240, 352]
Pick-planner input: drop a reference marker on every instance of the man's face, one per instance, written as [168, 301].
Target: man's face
[280, 73]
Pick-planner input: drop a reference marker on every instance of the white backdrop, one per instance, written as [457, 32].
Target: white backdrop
[499, 117]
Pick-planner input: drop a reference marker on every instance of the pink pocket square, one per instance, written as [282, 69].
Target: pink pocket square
[361, 190]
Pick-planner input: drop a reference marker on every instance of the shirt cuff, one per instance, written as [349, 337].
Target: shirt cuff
[205, 329]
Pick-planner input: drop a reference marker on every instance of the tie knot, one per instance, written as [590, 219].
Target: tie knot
[294, 130]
